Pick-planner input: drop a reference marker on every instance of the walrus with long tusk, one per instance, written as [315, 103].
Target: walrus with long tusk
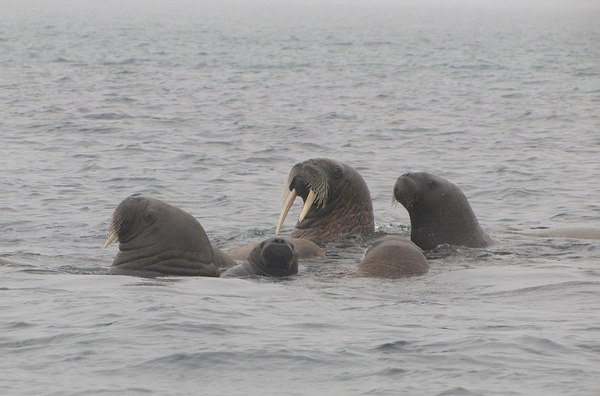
[158, 239]
[337, 201]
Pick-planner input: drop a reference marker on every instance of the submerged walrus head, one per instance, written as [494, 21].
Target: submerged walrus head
[158, 239]
[336, 199]
[275, 257]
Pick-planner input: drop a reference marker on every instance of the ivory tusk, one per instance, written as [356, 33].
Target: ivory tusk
[287, 204]
[307, 204]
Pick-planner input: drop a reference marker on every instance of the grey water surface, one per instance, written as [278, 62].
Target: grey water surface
[207, 106]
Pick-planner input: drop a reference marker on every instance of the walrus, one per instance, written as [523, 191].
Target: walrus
[439, 212]
[393, 256]
[337, 201]
[274, 257]
[158, 239]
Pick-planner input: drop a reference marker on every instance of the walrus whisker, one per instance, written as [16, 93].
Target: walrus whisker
[321, 189]
[113, 230]
[112, 237]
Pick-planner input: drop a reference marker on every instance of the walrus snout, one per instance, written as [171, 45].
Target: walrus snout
[405, 190]
[279, 241]
[118, 224]
[308, 181]
[278, 253]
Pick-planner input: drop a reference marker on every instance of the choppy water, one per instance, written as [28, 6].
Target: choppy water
[207, 107]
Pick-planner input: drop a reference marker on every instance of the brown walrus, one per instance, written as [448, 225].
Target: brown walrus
[393, 256]
[337, 201]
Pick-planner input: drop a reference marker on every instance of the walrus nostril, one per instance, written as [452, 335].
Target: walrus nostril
[279, 240]
[407, 174]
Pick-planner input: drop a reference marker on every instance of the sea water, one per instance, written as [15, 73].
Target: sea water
[207, 106]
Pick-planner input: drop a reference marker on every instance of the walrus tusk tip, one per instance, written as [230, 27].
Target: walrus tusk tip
[310, 199]
[112, 237]
[287, 204]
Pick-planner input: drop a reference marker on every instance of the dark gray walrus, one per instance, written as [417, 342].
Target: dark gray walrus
[157, 239]
[337, 201]
[272, 257]
[439, 212]
[393, 256]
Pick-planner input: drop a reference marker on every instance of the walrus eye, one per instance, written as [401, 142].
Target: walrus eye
[337, 172]
[148, 216]
[431, 183]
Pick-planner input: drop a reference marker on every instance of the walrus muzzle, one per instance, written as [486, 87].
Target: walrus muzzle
[311, 184]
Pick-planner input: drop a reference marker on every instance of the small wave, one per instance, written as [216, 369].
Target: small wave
[221, 143]
[477, 66]
[334, 115]
[227, 358]
[411, 130]
[17, 325]
[556, 290]
[120, 99]
[458, 391]
[379, 43]
[41, 342]
[107, 116]
[392, 346]
[341, 44]
[586, 73]
[97, 130]
[126, 61]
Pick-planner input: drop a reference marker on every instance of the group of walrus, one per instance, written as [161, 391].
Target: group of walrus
[157, 239]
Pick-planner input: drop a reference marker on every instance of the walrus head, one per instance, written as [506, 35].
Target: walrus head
[416, 190]
[157, 239]
[439, 212]
[336, 199]
[275, 257]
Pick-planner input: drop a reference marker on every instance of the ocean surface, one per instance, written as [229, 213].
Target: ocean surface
[207, 106]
